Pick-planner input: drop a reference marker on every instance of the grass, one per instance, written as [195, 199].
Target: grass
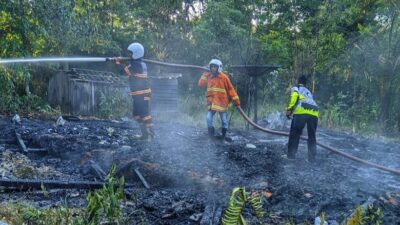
[102, 205]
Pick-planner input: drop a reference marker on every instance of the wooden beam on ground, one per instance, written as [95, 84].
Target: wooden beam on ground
[26, 184]
[135, 163]
[7, 141]
[36, 150]
[20, 143]
[146, 185]
[97, 170]
[212, 214]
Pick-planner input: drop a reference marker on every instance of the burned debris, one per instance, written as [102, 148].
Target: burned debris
[184, 179]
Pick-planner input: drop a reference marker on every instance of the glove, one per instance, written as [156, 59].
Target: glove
[117, 60]
[205, 74]
[237, 103]
[289, 115]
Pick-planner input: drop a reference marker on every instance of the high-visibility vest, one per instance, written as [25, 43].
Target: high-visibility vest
[302, 101]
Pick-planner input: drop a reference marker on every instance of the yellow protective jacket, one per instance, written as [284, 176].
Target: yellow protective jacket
[219, 90]
[302, 102]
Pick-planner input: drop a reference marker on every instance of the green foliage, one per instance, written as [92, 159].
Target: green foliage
[233, 214]
[57, 215]
[222, 32]
[322, 217]
[20, 31]
[290, 222]
[373, 215]
[277, 44]
[350, 48]
[356, 219]
[369, 216]
[114, 105]
[350, 111]
[257, 205]
[237, 200]
[14, 97]
[106, 200]
[103, 202]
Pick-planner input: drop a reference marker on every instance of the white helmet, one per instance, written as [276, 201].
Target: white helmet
[217, 63]
[137, 50]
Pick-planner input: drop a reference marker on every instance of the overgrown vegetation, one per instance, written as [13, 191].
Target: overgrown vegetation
[103, 206]
[114, 105]
[366, 216]
[15, 96]
[350, 49]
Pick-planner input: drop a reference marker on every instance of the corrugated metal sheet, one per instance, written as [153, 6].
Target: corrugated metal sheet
[164, 96]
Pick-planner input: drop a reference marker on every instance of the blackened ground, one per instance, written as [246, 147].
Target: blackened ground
[190, 174]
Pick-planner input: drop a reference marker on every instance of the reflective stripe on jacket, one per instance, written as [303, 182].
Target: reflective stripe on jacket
[138, 80]
[302, 102]
[219, 90]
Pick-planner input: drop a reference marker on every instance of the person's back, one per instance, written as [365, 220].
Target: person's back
[305, 111]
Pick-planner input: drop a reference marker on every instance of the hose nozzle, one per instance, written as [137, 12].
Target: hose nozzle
[118, 59]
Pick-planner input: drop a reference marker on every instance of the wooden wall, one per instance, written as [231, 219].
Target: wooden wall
[82, 97]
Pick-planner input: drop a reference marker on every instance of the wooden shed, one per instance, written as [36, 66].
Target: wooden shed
[78, 91]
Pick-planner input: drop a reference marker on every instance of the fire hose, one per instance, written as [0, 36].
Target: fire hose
[397, 172]
[349, 156]
[91, 59]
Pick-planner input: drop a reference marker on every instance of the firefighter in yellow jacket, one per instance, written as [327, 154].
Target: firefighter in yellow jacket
[219, 90]
[140, 90]
[304, 111]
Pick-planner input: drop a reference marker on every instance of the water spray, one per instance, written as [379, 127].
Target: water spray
[50, 60]
[95, 59]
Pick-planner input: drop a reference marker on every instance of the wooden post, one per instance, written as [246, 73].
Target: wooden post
[249, 99]
[255, 99]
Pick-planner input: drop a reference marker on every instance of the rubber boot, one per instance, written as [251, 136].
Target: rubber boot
[144, 135]
[149, 133]
[224, 130]
[211, 132]
[223, 134]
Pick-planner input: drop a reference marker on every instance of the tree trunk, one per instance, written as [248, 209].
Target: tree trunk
[385, 99]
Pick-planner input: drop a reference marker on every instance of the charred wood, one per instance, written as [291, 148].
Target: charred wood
[217, 216]
[146, 185]
[97, 170]
[36, 150]
[20, 143]
[136, 163]
[211, 215]
[26, 184]
[7, 141]
[71, 118]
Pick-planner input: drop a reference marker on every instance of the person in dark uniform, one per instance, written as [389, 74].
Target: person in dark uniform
[139, 90]
[304, 111]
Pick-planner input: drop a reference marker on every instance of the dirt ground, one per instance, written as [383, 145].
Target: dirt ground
[191, 176]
